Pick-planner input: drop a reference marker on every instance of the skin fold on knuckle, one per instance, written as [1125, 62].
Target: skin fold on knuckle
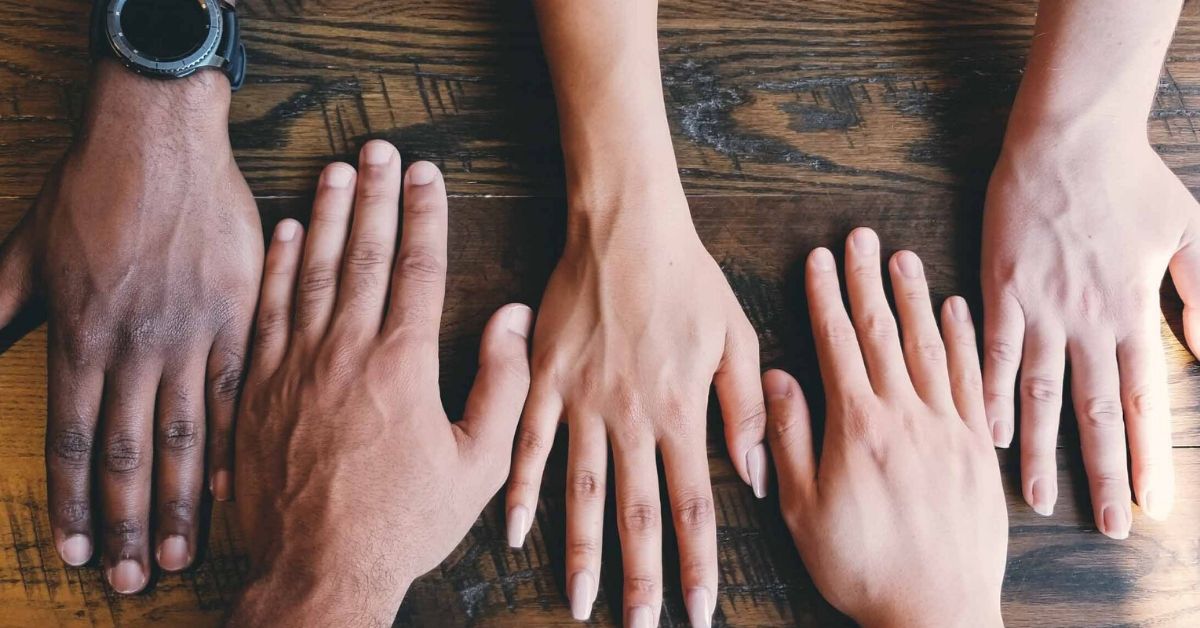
[421, 265]
[125, 532]
[694, 513]
[124, 454]
[72, 447]
[1039, 389]
[585, 486]
[73, 513]
[178, 436]
[639, 518]
[1002, 352]
[1102, 413]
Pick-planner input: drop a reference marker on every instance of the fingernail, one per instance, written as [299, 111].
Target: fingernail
[1001, 436]
[776, 387]
[699, 607]
[865, 241]
[583, 589]
[1116, 522]
[76, 550]
[640, 617]
[338, 176]
[958, 307]
[520, 319]
[378, 153]
[285, 231]
[127, 577]
[822, 259]
[173, 554]
[518, 526]
[1042, 494]
[909, 263]
[422, 173]
[756, 464]
[1154, 506]
[220, 486]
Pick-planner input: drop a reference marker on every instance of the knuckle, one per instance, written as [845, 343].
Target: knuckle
[586, 485]
[1041, 389]
[836, 333]
[583, 548]
[1143, 403]
[1102, 413]
[1001, 351]
[227, 382]
[366, 256]
[642, 585]
[531, 445]
[694, 513]
[73, 511]
[123, 454]
[178, 511]
[72, 447]
[127, 531]
[180, 435]
[929, 350]
[421, 264]
[878, 325]
[271, 324]
[318, 279]
[753, 418]
[639, 517]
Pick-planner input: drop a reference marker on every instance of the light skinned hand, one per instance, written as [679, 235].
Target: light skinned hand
[634, 328]
[146, 247]
[901, 519]
[353, 482]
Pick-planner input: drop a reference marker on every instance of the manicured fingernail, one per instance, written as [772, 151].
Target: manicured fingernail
[76, 550]
[285, 230]
[776, 387]
[583, 590]
[958, 307]
[909, 263]
[1001, 435]
[699, 607]
[756, 464]
[640, 617]
[220, 486]
[127, 577]
[822, 259]
[173, 553]
[865, 241]
[518, 526]
[422, 173]
[520, 319]
[338, 176]
[1116, 522]
[1042, 494]
[378, 153]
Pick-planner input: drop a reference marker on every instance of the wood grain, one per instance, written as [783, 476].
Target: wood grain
[794, 121]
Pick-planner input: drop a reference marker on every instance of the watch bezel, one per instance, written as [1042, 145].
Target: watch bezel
[176, 68]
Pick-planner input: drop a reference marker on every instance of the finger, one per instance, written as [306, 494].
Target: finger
[226, 364]
[1041, 406]
[316, 291]
[367, 264]
[924, 353]
[587, 459]
[419, 282]
[74, 389]
[534, 439]
[685, 462]
[16, 270]
[790, 432]
[1095, 388]
[125, 476]
[179, 463]
[871, 314]
[639, 526]
[739, 390]
[494, 405]
[966, 380]
[837, 345]
[1143, 372]
[1185, 274]
[272, 332]
[1003, 336]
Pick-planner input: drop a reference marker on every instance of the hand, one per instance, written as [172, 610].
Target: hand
[145, 244]
[1078, 233]
[353, 482]
[902, 521]
[634, 328]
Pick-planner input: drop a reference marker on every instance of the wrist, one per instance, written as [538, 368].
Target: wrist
[635, 213]
[122, 101]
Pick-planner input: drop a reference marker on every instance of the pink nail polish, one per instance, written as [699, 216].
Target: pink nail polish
[518, 526]
[583, 593]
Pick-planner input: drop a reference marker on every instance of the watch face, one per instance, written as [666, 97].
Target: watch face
[165, 30]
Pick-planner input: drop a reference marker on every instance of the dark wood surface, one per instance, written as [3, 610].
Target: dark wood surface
[794, 121]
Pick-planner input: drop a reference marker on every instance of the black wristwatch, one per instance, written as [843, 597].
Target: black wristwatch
[170, 39]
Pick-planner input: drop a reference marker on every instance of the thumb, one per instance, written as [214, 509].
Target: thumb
[1185, 274]
[494, 405]
[16, 270]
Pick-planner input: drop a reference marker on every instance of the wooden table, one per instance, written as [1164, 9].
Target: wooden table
[794, 120]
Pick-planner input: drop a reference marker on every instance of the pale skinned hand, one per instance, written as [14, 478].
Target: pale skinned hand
[146, 247]
[352, 480]
[635, 327]
[901, 520]
[1078, 232]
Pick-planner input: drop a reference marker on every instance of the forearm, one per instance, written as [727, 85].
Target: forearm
[603, 59]
[1093, 65]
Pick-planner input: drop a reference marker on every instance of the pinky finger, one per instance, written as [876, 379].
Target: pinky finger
[958, 333]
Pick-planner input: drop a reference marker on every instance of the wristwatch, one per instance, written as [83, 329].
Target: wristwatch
[170, 39]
